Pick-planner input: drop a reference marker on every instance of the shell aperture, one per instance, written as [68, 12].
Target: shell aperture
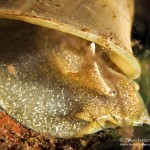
[55, 83]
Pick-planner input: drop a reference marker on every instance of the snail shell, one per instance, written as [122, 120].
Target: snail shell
[72, 74]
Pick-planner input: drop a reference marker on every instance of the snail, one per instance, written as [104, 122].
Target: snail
[67, 67]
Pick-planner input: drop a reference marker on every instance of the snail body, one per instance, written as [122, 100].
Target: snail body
[74, 72]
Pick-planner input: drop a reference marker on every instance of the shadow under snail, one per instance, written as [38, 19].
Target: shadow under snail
[67, 68]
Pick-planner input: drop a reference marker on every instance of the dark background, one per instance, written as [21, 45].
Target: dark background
[141, 26]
